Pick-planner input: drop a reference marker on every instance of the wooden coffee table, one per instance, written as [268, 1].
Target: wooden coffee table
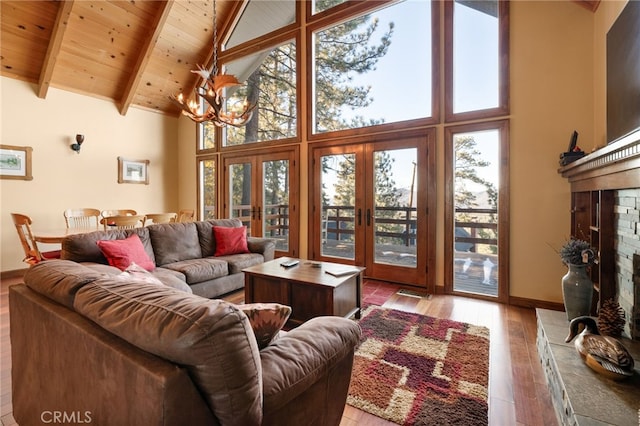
[306, 287]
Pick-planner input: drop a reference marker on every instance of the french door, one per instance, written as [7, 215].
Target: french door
[373, 206]
[262, 191]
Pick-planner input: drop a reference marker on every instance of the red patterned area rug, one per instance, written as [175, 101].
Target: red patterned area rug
[417, 370]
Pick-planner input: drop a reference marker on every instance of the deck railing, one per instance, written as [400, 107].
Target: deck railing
[400, 223]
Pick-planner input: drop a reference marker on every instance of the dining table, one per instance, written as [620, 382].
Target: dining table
[56, 235]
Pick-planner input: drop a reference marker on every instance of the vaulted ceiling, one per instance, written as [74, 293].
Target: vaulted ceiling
[135, 53]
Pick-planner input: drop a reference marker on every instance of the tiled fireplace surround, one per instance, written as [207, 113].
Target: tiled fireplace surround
[627, 244]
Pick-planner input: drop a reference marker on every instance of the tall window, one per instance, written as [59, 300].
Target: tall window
[272, 86]
[476, 51]
[373, 69]
[207, 188]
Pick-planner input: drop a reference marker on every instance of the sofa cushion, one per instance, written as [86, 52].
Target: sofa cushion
[238, 262]
[205, 233]
[122, 253]
[172, 279]
[59, 279]
[83, 247]
[211, 338]
[199, 270]
[230, 240]
[173, 242]
[267, 319]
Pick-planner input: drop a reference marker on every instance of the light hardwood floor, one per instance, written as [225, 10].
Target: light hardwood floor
[518, 394]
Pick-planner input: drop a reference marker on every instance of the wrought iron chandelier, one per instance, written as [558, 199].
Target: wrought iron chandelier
[212, 94]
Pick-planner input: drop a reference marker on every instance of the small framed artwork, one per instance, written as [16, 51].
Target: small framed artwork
[133, 171]
[15, 162]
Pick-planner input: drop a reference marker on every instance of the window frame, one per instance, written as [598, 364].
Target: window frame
[351, 10]
[503, 68]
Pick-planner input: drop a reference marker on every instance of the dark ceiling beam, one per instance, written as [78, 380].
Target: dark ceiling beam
[57, 35]
[145, 55]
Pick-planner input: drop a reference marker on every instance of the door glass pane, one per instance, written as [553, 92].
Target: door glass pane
[208, 189]
[240, 190]
[476, 172]
[338, 201]
[275, 198]
[395, 212]
[475, 55]
[373, 69]
[270, 78]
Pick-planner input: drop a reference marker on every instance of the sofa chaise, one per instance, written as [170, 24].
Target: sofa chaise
[115, 349]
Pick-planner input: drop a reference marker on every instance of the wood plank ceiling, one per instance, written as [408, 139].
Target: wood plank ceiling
[135, 53]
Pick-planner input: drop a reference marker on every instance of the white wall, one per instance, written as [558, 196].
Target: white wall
[63, 179]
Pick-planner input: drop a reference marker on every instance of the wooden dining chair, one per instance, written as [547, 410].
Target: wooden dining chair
[32, 254]
[122, 222]
[159, 218]
[82, 218]
[185, 215]
[122, 212]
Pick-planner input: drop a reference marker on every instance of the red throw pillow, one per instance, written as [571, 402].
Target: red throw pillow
[121, 253]
[230, 240]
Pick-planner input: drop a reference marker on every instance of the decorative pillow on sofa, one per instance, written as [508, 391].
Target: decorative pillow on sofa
[267, 319]
[121, 253]
[136, 272]
[230, 240]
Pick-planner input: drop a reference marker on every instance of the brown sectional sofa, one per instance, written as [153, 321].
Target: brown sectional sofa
[183, 254]
[113, 350]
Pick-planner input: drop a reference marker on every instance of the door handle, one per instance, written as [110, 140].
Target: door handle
[359, 217]
[368, 217]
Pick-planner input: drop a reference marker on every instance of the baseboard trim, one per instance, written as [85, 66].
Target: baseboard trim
[518, 301]
[17, 273]
[534, 303]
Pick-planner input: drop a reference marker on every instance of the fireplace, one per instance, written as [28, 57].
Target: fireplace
[615, 169]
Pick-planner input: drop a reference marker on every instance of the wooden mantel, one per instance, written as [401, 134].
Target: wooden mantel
[616, 166]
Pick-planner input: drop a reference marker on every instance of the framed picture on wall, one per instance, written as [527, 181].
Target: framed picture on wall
[133, 171]
[15, 162]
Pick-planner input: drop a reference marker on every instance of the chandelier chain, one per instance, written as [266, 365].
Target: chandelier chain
[214, 69]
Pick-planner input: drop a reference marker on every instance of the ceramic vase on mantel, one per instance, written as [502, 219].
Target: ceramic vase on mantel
[577, 291]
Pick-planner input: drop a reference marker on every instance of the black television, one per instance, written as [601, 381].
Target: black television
[623, 73]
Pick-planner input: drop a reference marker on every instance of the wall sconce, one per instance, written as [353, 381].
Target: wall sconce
[76, 146]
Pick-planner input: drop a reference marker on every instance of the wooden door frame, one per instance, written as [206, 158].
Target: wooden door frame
[256, 158]
[502, 126]
[426, 174]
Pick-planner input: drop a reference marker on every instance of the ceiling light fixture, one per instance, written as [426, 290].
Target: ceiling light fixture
[215, 83]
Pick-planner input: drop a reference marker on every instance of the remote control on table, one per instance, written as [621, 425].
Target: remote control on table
[290, 263]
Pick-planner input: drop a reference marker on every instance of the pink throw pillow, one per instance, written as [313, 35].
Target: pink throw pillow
[121, 253]
[230, 240]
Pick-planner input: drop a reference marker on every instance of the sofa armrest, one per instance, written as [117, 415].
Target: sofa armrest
[264, 246]
[297, 360]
